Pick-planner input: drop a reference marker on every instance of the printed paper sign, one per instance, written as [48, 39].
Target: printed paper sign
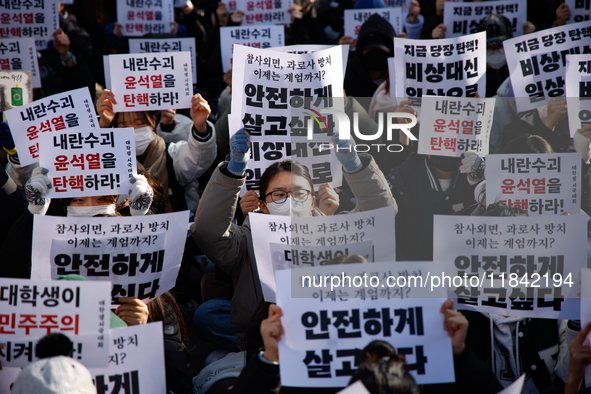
[267, 11]
[356, 388]
[251, 36]
[540, 184]
[580, 10]
[16, 89]
[20, 54]
[323, 336]
[453, 126]
[135, 361]
[150, 82]
[141, 17]
[88, 162]
[7, 377]
[586, 312]
[537, 62]
[140, 255]
[444, 67]
[157, 45]
[514, 266]
[310, 48]
[354, 19]
[61, 111]
[463, 18]
[279, 89]
[32, 309]
[37, 19]
[578, 91]
[325, 235]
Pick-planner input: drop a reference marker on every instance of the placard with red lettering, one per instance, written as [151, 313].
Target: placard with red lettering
[356, 17]
[537, 62]
[578, 91]
[148, 82]
[20, 54]
[252, 36]
[139, 255]
[88, 162]
[262, 11]
[37, 19]
[141, 17]
[157, 45]
[32, 309]
[62, 111]
[451, 126]
[135, 361]
[540, 184]
[464, 17]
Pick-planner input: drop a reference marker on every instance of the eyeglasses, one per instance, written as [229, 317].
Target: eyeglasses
[280, 196]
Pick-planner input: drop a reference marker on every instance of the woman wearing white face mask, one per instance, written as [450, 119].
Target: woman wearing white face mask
[285, 188]
[177, 165]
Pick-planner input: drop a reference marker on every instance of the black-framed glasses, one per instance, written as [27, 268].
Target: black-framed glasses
[280, 196]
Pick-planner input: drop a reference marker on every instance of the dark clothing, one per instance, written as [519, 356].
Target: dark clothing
[430, 23]
[494, 79]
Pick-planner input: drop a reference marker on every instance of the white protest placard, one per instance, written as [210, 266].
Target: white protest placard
[16, 89]
[309, 48]
[323, 336]
[141, 17]
[452, 126]
[444, 67]
[135, 360]
[61, 111]
[540, 184]
[578, 91]
[355, 18]
[7, 377]
[150, 82]
[88, 162]
[395, 3]
[37, 19]
[537, 62]
[20, 54]
[262, 11]
[586, 313]
[180, 3]
[580, 10]
[356, 388]
[278, 91]
[140, 255]
[305, 241]
[514, 266]
[32, 309]
[157, 45]
[463, 17]
[251, 36]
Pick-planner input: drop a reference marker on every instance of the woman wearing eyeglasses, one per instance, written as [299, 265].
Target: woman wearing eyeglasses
[285, 188]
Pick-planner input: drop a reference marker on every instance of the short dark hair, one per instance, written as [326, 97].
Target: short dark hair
[287, 165]
[54, 344]
[527, 143]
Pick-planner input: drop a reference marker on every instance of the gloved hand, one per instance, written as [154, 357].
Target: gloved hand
[473, 165]
[346, 154]
[141, 196]
[6, 140]
[37, 186]
[239, 153]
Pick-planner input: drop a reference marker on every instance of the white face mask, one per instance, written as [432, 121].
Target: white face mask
[143, 137]
[290, 207]
[90, 211]
[496, 58]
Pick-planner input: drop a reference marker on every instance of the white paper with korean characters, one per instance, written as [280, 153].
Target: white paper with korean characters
[157, 45]
[252, 36]
[20, 54]
[580, 10]
[537, 62]
[262, 11]
[463, 17]
[140, 255]
[444, 67]
[515, 266]
[88, 162]
[355, 18]
[141, 17]
[135, 360]
[540, 184]
[309, 48]
[330, 234]
[61, 111]
[452, 126]
[37, 19]
[322, 336]
[32, 309]
[148, 82]
[279, 89]
[586, 313]
[578, 91]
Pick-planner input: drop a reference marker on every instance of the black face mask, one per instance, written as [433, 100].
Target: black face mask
[447, 164]
[375, 60]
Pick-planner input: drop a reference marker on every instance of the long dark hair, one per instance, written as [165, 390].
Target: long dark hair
[164, 308]
[287, 165]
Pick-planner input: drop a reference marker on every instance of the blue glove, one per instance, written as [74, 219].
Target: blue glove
[346, 154]
[239, 153]
[6, 140]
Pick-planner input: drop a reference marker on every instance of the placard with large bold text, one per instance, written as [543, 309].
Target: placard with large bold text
[251, 36]
[37, 19]
[464, 17]
[20, 54]
[578, 91]
[158, 45]
[141, 17]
